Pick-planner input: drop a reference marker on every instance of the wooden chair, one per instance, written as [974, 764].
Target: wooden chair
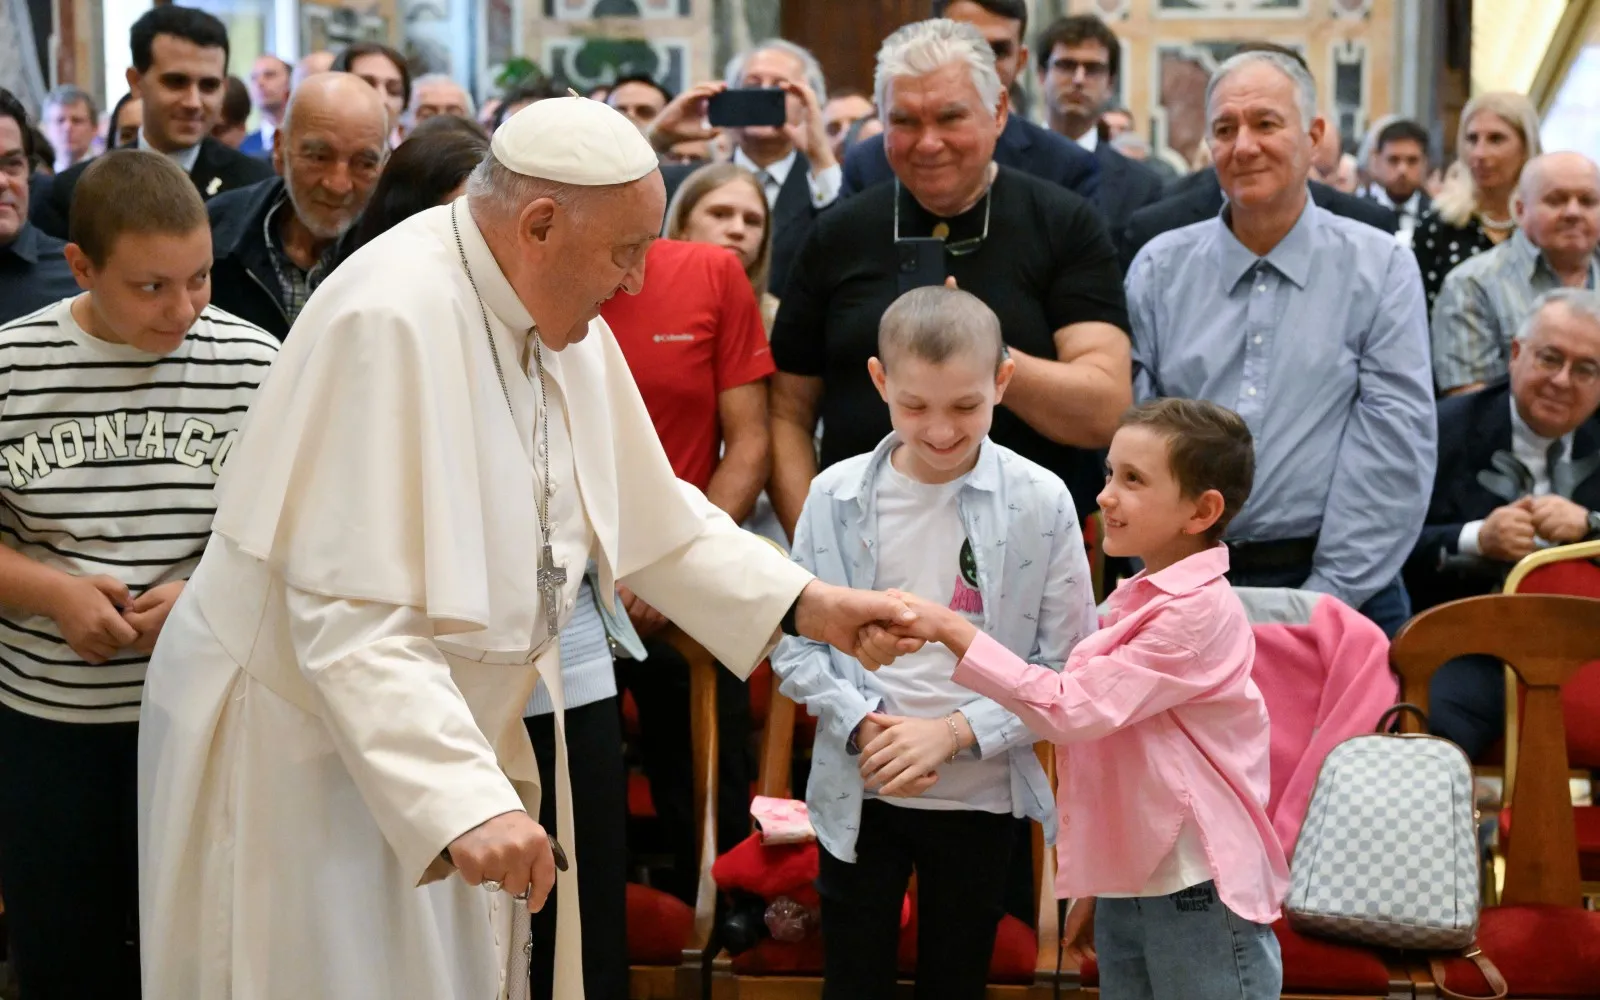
[1541, 939]
[1564, 569]
[665, 937]
[772, 971]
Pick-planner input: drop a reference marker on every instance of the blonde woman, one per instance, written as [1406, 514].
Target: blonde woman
[723, 203]
[1472, 212]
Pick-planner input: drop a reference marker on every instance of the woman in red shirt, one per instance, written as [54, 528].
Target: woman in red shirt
[723, 203]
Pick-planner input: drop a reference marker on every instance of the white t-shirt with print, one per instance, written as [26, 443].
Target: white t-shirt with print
[923, 549]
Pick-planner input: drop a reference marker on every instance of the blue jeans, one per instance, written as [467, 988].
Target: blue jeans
[1389, 608]
[1186, 946]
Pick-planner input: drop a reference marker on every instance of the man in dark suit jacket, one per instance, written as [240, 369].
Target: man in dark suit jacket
[1079, 60]
[1198, 197]
[796, 166]
[1399, 166]
[1519, 467]
[180, 58]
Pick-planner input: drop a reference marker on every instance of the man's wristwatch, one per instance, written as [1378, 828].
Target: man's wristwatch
[786, 623]
[1594, 525]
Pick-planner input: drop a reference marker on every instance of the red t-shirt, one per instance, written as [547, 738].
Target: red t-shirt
[693, 331]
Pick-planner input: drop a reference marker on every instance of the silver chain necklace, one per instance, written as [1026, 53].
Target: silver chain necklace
[551, 578]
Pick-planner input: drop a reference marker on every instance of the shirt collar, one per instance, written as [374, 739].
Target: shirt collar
[1189, 574]
[778, 171]
[985, 475]
[1089, 140]
[184, 158]
[1290, 258]
[1526, 436]
[26, 246]
[498, 295]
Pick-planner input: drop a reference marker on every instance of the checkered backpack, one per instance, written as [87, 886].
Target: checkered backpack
[1388, 855]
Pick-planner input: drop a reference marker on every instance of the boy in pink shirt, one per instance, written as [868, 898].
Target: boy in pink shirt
[1162, 739]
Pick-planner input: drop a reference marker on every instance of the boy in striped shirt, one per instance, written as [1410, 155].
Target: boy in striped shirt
[117, 410]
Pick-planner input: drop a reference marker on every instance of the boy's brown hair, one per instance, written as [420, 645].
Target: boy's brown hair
[131, 191]
[1209, 447]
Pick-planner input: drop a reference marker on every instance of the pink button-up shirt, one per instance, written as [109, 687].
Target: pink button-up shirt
[1156, 719]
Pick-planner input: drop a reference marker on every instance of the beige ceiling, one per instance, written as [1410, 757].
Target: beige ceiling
[1509, 41]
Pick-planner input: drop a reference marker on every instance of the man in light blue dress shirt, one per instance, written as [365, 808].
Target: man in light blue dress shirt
[1313, 328]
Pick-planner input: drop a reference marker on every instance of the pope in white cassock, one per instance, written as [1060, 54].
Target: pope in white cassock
[332, 763]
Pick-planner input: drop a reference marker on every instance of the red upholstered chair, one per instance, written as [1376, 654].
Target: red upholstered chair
[665, 937]
[1565, 569]
[1323, 671]
[1542, 940]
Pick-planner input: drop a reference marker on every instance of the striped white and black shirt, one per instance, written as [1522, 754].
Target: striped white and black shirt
[108, 455]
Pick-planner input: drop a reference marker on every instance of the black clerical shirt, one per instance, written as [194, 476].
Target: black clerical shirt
[33, 274]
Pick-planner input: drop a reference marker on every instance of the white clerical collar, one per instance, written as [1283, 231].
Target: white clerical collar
[1089, 140]
[184, 158]
[1526, 443]
[498, 295]
[777, 170]
[1412, 206]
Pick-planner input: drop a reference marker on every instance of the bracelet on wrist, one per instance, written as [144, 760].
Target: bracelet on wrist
[955, 737]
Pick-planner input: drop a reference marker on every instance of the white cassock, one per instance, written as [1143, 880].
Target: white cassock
[338, 693]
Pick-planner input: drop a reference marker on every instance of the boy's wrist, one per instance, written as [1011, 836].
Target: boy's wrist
[956, 634]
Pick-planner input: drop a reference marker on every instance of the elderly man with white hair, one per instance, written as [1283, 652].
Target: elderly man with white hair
[336, 791]
[1313, 328]
[1037, 254]
[437, 94]
[1484, 299]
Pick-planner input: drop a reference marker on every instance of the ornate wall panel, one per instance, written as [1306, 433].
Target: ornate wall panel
[1170, 48]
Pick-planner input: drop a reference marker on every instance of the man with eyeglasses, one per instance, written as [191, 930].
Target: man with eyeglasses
[1557, 210]
[1079, 61]
[1519, 470]
[1022, 145]
[33, 272]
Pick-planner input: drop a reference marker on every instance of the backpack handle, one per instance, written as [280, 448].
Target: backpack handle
[1395, 711]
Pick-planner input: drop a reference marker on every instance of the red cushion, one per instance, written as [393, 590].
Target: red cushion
[630, 716]
[1015, 949]
[639, 801]
[1313, 965]
[659, 926]
[1580, 703]
[1587, 820]
[1543, 951]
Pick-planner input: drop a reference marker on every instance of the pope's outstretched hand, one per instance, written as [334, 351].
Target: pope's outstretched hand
[845, 618]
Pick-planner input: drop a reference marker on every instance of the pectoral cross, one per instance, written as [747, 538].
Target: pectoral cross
[551, 579]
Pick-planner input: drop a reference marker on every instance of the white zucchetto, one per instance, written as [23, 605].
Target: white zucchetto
[573, 140]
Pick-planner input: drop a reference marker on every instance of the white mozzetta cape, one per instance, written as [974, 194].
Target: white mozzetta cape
[338, 693]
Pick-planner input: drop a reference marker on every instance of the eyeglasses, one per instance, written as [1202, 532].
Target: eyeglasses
[960, 248]
[1552, 362]
[1092, 68]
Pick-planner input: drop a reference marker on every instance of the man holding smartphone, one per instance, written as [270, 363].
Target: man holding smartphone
[793, 160]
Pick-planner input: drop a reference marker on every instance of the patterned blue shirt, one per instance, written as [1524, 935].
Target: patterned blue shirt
[1322, 347]
[1038, 601]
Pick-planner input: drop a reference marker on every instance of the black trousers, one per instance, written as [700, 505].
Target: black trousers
[660, 686]
[69, 868]
[961, 858]
[1467, 703]
[599, 818]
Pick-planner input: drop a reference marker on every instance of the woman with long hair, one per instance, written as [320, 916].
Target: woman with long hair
[723, 203]
[430, 168]
[1499, 133]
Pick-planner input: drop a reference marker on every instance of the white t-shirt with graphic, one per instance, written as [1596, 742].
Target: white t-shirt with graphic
[923, 549]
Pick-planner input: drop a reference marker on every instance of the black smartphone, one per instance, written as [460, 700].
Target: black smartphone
[919, 262]
[746, 106]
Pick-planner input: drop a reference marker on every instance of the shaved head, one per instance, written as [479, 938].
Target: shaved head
[1574, 166]
[310, 65]
[344, 95]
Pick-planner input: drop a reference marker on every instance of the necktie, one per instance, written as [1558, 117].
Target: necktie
[769, 185]
[1557, 470]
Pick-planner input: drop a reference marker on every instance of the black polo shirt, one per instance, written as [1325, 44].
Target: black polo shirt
[1046, 263]
[33, 274]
